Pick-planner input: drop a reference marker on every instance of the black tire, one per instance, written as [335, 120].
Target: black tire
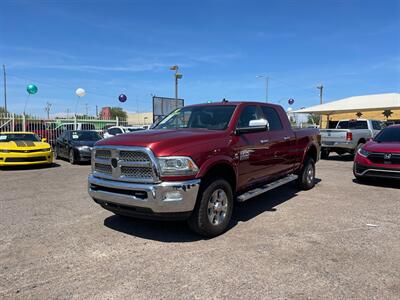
[306, 180]
[324, 153]
[199, 220]
[72, 157]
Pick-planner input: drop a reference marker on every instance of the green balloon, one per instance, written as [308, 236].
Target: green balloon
[31, 89]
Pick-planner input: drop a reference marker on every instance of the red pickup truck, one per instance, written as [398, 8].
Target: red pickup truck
[199, 160]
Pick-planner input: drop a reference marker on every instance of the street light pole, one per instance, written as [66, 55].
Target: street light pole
[266, 85]
[5, 88]
[177, 77]
[321, 88]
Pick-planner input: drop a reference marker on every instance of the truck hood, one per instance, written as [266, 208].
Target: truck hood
[166, 142]
[373, 146]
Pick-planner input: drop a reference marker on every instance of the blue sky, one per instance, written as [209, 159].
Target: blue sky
[112, 47]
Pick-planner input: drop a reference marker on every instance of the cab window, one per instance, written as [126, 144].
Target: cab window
[271, 115]
[249, 113]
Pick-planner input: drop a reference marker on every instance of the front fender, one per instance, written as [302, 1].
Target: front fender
[217, 160]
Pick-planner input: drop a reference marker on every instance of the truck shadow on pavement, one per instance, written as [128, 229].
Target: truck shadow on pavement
[178, 231]
[337, 157]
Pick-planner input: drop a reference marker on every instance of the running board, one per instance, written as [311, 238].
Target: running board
[265, 188]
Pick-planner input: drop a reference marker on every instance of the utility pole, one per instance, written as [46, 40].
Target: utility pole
[47, 109]
[5, 88]
[321, 88]
[97, 111]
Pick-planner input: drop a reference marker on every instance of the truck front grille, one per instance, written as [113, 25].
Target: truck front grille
[135, 172]
[133, 156]
[132, 164]
[107, 169]
[103, 154]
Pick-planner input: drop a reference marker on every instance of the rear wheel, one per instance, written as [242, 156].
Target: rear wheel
[306, 179]
[213, 210]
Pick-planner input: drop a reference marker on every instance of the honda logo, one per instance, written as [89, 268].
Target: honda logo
[387, 156]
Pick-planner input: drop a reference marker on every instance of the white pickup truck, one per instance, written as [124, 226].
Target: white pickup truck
[348, 136]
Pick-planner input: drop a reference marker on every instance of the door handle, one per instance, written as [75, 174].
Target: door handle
[286, 138]
[264, 141]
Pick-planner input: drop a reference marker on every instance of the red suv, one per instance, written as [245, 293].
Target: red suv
[379, 157]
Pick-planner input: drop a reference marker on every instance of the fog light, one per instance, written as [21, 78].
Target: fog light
[172, 196]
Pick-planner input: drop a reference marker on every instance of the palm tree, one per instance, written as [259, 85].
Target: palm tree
[387, 113]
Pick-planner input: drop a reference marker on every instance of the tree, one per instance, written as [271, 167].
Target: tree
[387, 113]
[118, 112]
[313, 119]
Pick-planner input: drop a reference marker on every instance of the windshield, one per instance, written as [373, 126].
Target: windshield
[85, 136]
[215, 117]
[389, 134]
[19, 137]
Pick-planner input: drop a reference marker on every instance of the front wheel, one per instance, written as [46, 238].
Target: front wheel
[214, 207]
[72, 158]
[306, 179]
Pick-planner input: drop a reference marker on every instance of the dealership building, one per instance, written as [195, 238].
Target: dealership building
[384, 107]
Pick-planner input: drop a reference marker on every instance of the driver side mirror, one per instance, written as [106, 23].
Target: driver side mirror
[44, 140]
[254, 126]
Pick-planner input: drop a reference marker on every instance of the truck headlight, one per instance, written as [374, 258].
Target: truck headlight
[177, 166]
[363, 152]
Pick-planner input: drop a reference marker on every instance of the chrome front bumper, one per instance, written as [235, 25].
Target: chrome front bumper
[164, 197]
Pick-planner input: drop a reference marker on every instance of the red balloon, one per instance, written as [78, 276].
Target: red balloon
[122, 98]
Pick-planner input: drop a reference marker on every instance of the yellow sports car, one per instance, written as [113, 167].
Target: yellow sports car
[24, 148]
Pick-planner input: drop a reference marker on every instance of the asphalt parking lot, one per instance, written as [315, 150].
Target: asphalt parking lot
[340, 240]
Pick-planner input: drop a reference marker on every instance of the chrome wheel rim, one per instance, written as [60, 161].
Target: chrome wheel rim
[310, 174]
[217, 207]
